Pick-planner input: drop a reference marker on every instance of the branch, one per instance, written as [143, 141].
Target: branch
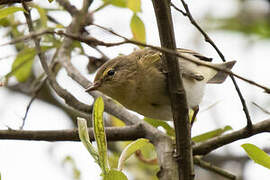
[211, 42]
[12, 1]
[206, 165]
[112, 133]
[217, 142]
[36, 92]
[176, 90]
[261, 108]
[91, 40]
[69, 98]
[68, 7]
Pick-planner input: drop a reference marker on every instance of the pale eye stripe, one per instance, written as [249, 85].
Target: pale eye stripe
[105, 72]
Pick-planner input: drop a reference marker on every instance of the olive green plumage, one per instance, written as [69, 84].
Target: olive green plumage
[138, 81]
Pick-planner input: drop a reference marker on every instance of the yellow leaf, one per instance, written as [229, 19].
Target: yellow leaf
[134, 5]
[137, 28]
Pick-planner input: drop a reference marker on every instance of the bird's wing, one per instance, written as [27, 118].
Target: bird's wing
[192, 70]
[210, 75]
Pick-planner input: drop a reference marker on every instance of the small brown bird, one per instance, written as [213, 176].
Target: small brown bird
[139, 83]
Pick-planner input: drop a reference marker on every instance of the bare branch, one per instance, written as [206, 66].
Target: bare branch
[206, 147]
[36, 92]
[208, 166]
[112, 133]
[176, 90]
[261, 108]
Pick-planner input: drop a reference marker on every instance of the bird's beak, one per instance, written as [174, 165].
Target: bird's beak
[93, 86]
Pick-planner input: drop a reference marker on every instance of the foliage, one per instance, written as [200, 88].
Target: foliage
[75, 170]
[4, 12]
[211, 134]
[257, 155]
[159, 123]
[250, 20]
[100, 154]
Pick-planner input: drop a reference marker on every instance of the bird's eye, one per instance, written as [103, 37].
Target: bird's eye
[111, 72]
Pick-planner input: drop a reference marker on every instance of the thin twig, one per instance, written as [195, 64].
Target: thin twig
[92, 41]
[261, 108]
[211, 42]
[206, 165]
[36, 92]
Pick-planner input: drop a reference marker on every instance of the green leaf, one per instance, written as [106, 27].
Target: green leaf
[164, 124]
[137, 28]
[22, 65]
[257, 155]
[84, 137]
[211, 134]
[115, 175]
[100, 135]
[129, 150]
[118, 3]
[10, 10]
[134, 5]
[50, 1]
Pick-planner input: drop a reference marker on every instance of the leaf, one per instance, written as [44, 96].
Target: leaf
[137, 28]
[10, 10]
[22, 65]
[211, 134]
[115, 175]
[116, 122]
[257, 155]
[76, 171]
[156, 123]
[50, 1]
[129, 150]
[118, 3]
[100, 135]
[84, 137]
[134, 5]
[43, 16]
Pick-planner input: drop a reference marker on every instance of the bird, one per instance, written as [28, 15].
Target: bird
[138, 81]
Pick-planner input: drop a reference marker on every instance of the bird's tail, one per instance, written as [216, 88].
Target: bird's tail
[221, 76]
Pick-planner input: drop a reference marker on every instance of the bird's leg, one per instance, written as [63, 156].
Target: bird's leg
[196, 110]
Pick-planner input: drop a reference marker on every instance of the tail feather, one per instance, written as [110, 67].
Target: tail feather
[221, 76]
